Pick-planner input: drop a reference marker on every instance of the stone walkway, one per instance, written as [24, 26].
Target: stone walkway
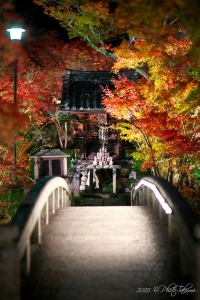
[103, 253]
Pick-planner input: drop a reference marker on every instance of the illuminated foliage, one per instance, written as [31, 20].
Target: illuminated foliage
[90, 20]
[102, 24]
[162, 111]
[39, 85]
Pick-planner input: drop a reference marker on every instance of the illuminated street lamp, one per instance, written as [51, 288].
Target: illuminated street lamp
[15, 34]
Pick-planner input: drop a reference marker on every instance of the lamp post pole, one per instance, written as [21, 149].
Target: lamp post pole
[15, 34]
[15, 81]
[15, 103]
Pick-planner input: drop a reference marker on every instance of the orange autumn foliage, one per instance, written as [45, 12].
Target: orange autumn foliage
[160, 112]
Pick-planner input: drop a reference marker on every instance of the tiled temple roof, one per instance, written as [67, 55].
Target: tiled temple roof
[82, 89]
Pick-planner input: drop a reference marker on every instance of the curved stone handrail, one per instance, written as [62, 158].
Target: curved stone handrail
[183, 224]
[47, 195]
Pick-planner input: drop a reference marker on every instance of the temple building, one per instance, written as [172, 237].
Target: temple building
[82, 95]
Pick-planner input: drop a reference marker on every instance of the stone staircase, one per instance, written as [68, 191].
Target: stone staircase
[102, 253]
[106, 200]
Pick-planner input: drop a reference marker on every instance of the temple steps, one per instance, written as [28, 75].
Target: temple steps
[121, 200]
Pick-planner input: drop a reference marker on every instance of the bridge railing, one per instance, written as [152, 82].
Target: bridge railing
[47, 195]
[173, 210]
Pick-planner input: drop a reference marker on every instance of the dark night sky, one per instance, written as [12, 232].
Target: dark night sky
[34, 17]
[38, 22]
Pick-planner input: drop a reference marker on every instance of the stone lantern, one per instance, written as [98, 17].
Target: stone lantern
[50, 162]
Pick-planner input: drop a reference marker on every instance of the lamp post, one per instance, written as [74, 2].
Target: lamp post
[15, 34]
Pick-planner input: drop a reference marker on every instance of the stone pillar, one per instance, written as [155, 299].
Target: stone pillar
[114, 180]
[76, 185]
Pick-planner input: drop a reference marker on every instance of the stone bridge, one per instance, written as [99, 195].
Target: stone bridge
[55, 251]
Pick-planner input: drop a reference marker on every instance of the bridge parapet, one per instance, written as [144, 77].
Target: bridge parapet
[47, 195]
[175, 211]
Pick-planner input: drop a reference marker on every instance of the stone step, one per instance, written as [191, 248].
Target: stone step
[103, 202]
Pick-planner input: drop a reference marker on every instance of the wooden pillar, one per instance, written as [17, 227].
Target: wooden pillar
[119, 141]
[85, 134]
[36, 168]
[91, 179]
[65, 171]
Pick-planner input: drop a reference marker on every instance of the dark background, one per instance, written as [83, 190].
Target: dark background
[34, 18]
